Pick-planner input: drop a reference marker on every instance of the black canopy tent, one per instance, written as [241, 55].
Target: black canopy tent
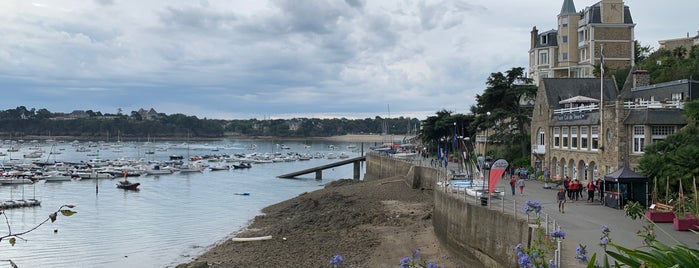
[625, 185]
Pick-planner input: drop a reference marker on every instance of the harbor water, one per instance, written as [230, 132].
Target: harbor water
[170, 220]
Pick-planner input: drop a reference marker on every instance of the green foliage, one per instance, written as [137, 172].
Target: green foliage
[673, 159]
[22, 121]
[669, 65]
[504, 98]
[634, 210]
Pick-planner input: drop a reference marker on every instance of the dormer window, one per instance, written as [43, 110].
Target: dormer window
[544, 39]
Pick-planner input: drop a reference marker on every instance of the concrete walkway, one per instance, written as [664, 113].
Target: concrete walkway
[582, 222]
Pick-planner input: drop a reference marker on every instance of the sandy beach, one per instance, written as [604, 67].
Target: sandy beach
[370, 224]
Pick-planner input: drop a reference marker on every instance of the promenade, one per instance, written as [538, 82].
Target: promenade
[581, 221]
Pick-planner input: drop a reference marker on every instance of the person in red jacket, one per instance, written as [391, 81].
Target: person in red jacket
[591, 192]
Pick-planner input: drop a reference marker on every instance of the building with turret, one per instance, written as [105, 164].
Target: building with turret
[574, 47]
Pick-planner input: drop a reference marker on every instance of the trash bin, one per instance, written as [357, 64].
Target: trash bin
[484, 200]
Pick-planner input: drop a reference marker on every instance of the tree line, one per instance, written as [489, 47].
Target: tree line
[22, 122]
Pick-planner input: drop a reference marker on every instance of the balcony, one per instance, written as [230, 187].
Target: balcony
[539, 149]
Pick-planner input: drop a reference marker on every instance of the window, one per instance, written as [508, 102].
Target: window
[564, 39]
[544, 39]
[543, 57]
[583, 138]
[557, 137]
[565, 137]
[658, 133]
[541, 138]
[574, 137]
[564, 22]
[583, 54]
[595, 138]
[639, 138]
[564, 56]
[677, 96]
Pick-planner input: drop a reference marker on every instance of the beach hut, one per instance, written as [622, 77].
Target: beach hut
[625, 185]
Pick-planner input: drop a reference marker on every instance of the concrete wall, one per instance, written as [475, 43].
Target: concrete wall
[468, 230]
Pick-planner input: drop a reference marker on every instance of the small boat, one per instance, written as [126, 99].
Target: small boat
[127, 185]
[242, 165]
[215, 168]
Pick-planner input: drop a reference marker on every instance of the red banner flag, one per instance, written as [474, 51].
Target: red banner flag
[496, 171]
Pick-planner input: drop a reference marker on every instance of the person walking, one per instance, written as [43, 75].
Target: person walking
[561, 197]
[513, 181]
[520, 183]
[591, 192]
[574, 189]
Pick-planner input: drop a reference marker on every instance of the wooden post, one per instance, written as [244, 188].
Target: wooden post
[357, 171]
[319, 174]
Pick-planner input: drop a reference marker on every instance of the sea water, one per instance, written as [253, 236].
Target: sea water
[172, 219]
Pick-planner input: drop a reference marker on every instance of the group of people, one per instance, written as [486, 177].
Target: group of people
[573, 189]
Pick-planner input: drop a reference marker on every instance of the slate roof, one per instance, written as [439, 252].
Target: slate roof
[656, 117]
[558, 89]
[596, 17]
[552, 39]
[624, 174]
[568, 7]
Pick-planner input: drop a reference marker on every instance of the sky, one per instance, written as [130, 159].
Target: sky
[279, 59]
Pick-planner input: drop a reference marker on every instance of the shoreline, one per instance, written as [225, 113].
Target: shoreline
[375, 138]
[369, 223]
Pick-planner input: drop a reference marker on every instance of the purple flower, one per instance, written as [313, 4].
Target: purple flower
[336, 261]
[524, 260]
[581, 253]
[404, 262]
[604, 241]
[558, 233]
[432, 265]
[416, 254]
[552, 264]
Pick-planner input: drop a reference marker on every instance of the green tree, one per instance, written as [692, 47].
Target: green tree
[506, 98]
[673, 158]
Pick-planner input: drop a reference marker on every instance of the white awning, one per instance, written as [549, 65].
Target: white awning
[578, 99]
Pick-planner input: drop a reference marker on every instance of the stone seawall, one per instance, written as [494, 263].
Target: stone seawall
[468, 230]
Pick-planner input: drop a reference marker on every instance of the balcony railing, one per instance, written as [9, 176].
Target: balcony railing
[538, 149]
[584, 108]
[643, 105]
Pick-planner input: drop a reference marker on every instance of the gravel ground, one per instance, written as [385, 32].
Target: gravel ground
[370, 224]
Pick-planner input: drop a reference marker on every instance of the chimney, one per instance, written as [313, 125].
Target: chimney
[534, 37]
[640, 78]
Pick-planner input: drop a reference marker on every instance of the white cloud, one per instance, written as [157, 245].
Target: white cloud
[248, 58]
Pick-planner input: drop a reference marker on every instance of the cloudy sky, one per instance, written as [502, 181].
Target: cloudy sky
[241, 59]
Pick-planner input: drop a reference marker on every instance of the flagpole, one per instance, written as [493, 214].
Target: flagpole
[601, 134]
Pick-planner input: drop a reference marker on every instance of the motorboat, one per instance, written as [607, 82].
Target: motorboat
[216, 168]
[127, 185]
[242, 165]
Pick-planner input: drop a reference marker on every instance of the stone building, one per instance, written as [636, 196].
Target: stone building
[573, 49]
[573, 137]
[685, 42]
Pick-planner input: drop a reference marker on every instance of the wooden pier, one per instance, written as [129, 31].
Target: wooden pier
[19, 203]
[319, 169]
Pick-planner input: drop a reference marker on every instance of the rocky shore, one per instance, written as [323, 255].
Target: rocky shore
[370, 224]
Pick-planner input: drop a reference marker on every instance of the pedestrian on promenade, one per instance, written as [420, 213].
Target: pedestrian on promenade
[573, 188]
[513, 181]
[520, 183]
[599, 188]
[591, 192]
[561, 197]
[566, 184]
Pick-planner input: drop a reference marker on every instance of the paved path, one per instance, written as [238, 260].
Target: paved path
[582, 222]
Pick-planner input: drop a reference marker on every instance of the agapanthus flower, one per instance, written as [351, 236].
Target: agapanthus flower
[432, 265]
[581, 253]
[404, 262]
[416, 254]
[525, 261]
[336, 261]
[604, 241]
[552, 264]
[558, 233]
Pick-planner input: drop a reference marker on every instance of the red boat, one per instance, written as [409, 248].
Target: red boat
[127, 185]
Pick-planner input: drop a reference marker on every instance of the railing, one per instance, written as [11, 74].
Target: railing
[584, 108]
[643, 105]
[539, 149]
